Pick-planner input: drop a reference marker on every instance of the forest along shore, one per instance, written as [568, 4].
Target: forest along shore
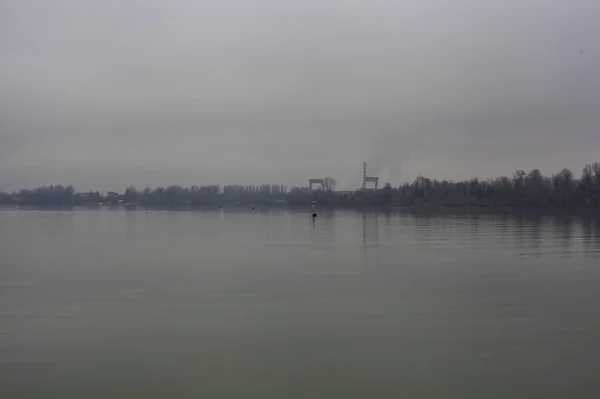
[523, 191]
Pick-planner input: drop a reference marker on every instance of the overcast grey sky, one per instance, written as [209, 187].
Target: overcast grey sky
[103, 94]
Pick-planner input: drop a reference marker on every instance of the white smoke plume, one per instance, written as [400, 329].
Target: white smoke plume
[386, 154]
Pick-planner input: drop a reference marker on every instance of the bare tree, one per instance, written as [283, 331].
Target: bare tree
[329, 184]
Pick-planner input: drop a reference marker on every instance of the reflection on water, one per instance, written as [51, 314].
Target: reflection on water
[591, 235]
[271, 303]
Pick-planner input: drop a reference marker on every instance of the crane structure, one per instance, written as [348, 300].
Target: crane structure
[369, 179]
[318, 182]
[368, 182]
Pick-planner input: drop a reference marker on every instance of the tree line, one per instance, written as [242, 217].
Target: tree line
[161, 196]
[522, 189]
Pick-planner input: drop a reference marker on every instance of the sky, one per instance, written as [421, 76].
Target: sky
[104, 94]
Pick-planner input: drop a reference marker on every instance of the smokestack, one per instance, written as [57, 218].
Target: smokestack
[364, 182]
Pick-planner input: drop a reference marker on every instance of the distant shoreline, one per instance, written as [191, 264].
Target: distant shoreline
[417, 210]
[550, 211]
[531, 192]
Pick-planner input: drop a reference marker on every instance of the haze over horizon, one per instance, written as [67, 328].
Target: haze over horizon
[104, 94]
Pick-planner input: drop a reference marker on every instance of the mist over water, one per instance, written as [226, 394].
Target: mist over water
[271, 304]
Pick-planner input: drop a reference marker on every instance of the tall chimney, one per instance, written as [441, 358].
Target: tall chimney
[364, 182]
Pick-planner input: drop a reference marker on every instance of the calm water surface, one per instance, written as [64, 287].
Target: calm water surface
[268, 304]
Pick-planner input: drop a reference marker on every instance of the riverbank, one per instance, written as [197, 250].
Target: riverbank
[418, 210]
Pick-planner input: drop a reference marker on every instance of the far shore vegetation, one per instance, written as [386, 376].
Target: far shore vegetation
[522, 190]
